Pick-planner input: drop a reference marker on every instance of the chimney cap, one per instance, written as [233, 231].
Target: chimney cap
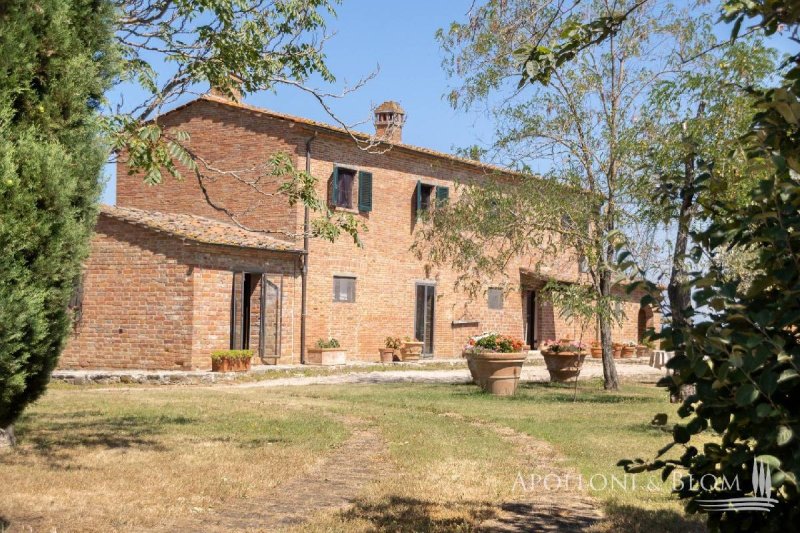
[390, 106]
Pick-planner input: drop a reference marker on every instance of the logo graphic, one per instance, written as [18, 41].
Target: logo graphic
[761, 501]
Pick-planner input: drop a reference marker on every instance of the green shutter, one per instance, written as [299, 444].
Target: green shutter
[335, 186]
[364, 191]
[442, 195]
[419, 197]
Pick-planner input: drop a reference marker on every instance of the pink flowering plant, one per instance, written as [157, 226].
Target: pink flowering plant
[493, 342]
[563, 346]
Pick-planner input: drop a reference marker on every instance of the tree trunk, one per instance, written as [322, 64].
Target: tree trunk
[610, 379]
[678, 291]
[7, 438]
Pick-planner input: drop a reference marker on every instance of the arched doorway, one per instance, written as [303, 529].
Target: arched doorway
[645, 322]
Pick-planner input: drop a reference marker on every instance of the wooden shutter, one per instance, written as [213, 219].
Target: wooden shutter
[364, 191]
[442, 195]
[335, 186]
[419, 197]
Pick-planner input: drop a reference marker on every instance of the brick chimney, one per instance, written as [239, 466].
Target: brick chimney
[235, 89]
[389, 120]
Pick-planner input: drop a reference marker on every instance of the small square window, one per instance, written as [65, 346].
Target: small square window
[344, 289]
[495, 298]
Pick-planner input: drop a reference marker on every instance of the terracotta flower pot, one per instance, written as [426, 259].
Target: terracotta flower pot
[596, 351]
[628, 351]
[228, 364]
[326, 356]
[641, 350]
[563, 366]
[473, 369]
[497, 373]
[617, 350]
[411, 351]
[387, 355]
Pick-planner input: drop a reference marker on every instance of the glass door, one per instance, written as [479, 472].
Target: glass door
[424, 317]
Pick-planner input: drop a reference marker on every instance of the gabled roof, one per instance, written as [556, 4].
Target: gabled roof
[321, 126]
[196, 228]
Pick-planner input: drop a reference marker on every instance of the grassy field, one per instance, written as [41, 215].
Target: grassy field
[159, 458]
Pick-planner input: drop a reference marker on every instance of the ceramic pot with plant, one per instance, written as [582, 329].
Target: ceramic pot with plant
[495, 362]
[628, 350]
[616, 349]
[641, 350]
[411, 350]
[326, 353]
[392, 347]
[564, 360]
[596, 349]
[231, 360]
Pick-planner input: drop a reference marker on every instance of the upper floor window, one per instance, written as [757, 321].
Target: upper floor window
[429, 195]
[342, 188]
[495, 298]
[344, 289]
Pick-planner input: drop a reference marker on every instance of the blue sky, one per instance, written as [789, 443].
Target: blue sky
[398, 37]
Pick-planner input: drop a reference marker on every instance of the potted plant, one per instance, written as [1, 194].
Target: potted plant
[641, 350]
[628, 349]
[564, 360]
[495, 362]
[392, 347]
[231, 360]
[617, 350]
[411, 350]
[326, 353]
[596, 349]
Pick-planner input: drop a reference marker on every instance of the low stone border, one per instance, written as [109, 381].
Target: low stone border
[205, 377]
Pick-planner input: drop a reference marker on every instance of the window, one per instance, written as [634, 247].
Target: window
[342, 183]
[425, 196]
[344, 289]
[343, 179]
[495, 298]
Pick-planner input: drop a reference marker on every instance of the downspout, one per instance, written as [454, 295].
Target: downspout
[304, 271]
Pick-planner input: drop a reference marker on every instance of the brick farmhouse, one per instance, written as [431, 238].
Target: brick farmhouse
[189, 266]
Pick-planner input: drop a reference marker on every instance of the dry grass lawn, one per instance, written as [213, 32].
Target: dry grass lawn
[168, 459]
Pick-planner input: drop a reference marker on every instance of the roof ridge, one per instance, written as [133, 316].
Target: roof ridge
[337, 129]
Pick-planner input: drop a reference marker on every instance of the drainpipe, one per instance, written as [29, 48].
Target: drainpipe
[304, 271]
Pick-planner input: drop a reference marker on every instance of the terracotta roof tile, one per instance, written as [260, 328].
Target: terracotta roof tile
[196, 228]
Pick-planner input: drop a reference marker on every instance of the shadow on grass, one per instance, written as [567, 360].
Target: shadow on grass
[56, 436]
[411, 514]
[630, 518]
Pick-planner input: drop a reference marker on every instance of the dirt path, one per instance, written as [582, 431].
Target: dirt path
[539, 506]
[330, 484]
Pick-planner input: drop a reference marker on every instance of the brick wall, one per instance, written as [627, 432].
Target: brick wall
[385, 270]
[152, 301]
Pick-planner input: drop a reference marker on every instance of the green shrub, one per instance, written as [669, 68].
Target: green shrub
[58, 61]
[393, 343]
[232, 354]
[330, 343]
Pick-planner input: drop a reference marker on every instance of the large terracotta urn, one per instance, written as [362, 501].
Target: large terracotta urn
[563, 366]
[497, 373]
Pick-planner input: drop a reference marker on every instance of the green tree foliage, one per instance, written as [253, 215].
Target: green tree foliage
[744, 356]
[174, 47]
[58, 58]
[584, 121]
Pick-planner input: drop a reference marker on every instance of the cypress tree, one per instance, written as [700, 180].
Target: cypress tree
[57, 58]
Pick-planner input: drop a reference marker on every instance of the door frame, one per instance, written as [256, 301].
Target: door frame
[530, 297]
[432, 285]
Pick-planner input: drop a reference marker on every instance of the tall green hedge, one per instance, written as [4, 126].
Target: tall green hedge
[57, 58]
